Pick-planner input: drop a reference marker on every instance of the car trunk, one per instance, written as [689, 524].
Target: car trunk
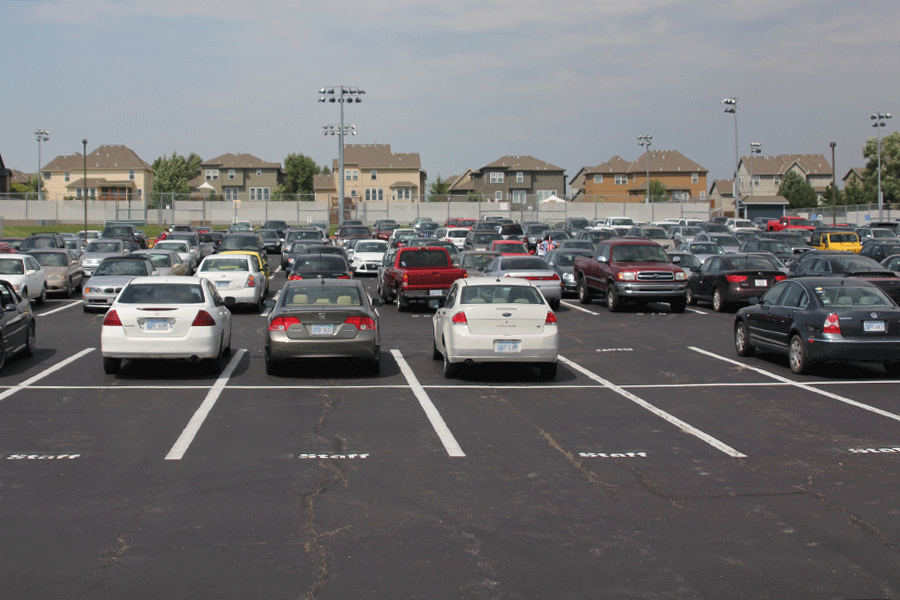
[489, 319]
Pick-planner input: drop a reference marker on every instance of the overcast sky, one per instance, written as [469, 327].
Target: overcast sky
[460, 83]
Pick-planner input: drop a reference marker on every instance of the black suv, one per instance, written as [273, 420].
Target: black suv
[129, 233]
[880, 249]
[39, 241]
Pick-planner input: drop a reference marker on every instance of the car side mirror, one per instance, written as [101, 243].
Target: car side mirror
[377, 302]
[270, 303]
[602, 259]
[229, 301]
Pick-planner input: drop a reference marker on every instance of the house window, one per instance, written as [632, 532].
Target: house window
[518, 197]
[67, 177]
[403, 193]
[703, 195]
[259, 172]
[496, 177]
[353, 193]
[621, 179]
[230, 173]
[92, 192]
[351, 175]
[695, 177]
[212, 174]
[231, 194]
[520, 177]
[544, 194]
[498, 196]
[598, 178]
[78, 193]
[259, 193]
[131, 175]
[46, 175]
[374, 195]
[374, 174]
[756, 180]
[777, 180]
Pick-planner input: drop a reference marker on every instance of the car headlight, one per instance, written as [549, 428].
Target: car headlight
[569, 277]
[626, 276]
[681, 276]
[55, 276]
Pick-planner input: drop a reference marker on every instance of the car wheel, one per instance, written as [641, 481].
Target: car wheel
[797, 356]
[42, 299]
[612, 298]
[554, 304]
[584, 294]
[400, 302]
[30, 342]
[718, 303]
[70, 289]
[689, 296]
[549, 370]
[112, 366]
[435, 353]
[2, 356]
[450, 369]
[741, 340]
[261, 304]
[677, 306]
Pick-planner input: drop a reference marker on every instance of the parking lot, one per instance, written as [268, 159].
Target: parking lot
[657, 464]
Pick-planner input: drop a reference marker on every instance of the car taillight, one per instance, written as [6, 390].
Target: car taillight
[551, 318]
[460, 318]
[780, 277]
[735, 278]
[112, 319]
[342, 277]
[294, 278]
[203, 319]
[251, 281]
[361, 323]
[831, 324]
[283, 323]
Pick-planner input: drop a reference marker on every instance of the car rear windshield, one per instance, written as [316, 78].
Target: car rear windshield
[370, 247]
[354, 231]
[174, 246]
[749, 262]
[424, 258]
[843, 238]
[51, 259]
[304, 235]
[850, 296]
[239, 242]
[511, 230]
[500, 294]
[161, 293]
[485, 238]
[322, 296]
[104, 247]
[159, 259]
[225, 264]
[320, 262]
[12, 267]
[118, 232]
[38, 242]
[137, 268]
[524, 263]
[473, 261]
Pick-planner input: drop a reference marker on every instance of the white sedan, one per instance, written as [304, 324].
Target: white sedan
[367, 256]
[27, 277]
[167, 317]
[236, 275]
[488, 320]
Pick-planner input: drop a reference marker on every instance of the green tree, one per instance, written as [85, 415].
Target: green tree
[299, 170]
[797, 192]
[890, 167]
[658, 191]
[855, 194]
[439, 190]
[473, 197]
[172, 174]
[839, 196]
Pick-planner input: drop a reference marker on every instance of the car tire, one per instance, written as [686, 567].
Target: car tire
[400, 302]
[689, 296]
[70, 288]
[677, 306]
[2, 356]
[554, 304]
[30, 343]
[375, 365]
[261, 304]
[718, 303]
[450, 369]
[112, 366]
[548, 370]
[435, 353]
[613, 303]
[797, 357]
[742, 340]
[584, 294]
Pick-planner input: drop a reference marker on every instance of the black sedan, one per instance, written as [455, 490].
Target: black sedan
[781, 249]
[16, 324]
[313, 266]
[731, 279]
[824, 263]
[821, 319]
[563, 262]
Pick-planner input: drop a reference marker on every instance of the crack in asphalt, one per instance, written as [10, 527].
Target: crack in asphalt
[648, 484]
[855, 520]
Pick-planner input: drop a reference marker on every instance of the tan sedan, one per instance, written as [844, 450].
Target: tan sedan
[63, 268]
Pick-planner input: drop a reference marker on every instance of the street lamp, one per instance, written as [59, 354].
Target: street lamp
[755, 148]
[42, 135]
[644, 140]
[336, 94]
[879, 121]
[84, 187]
[731, 107]
[833, 187]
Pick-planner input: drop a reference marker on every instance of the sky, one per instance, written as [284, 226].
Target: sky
[460, 83]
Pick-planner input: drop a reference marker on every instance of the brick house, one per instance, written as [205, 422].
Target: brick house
[619, 180]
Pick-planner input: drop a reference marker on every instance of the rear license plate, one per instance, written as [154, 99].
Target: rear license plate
[222, 284]
[156, 324]
[321, 329]
[435, 292]
[761, 283]
[506, 346]
[873, 326]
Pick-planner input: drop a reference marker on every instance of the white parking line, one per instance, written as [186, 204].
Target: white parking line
[43, 374]
[56, 310]
[576, 307]
[193, 426]
[699, 312]
[685, 427]
[440, 427]
[802, 386]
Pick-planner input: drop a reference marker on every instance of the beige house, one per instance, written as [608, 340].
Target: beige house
[769, 171]
[239, 177]
[114, 172]
[372, 173]
[516, 179]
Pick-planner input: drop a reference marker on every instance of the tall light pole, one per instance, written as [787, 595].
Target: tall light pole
[336, 94]
[755, 148]
[731, 107]
[878, 122]
[84, 187]
[644, 140]
[340, 131]
[833, 186]
[42, 135]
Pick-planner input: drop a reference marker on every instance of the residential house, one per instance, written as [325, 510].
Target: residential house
[5, 177]
[514, 179]
[239, 177]
[619, 180]
[372, 173]
[769, 171]
[114, 172]
[856, 174]
[721, 198]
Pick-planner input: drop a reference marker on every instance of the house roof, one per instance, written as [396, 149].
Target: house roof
[18, 176]
[108, 157]
[725, 187]
[324, 182]
[239, 161]
[521, 163]
[99, 182]
[811, 164]
[616, 164]
[377, 156]
[764, 200]
[661, 161]
[858, 172]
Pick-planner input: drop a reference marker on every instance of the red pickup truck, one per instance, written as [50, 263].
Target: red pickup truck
[421, 274]
[789, 223]
[633, 269]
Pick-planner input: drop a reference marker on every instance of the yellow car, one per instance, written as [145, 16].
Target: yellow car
[847, 241]
[260, 259]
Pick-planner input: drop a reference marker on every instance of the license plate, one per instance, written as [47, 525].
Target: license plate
[761, 283]
[156, 325]
[506, 346]
[874, 326]
[222, 284]
[321, 329]
[435, 292]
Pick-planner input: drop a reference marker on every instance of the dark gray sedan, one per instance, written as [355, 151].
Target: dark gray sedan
[16, 324]
[323, 318]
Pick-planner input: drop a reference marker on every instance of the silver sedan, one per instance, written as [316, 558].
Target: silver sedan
[535, 269]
